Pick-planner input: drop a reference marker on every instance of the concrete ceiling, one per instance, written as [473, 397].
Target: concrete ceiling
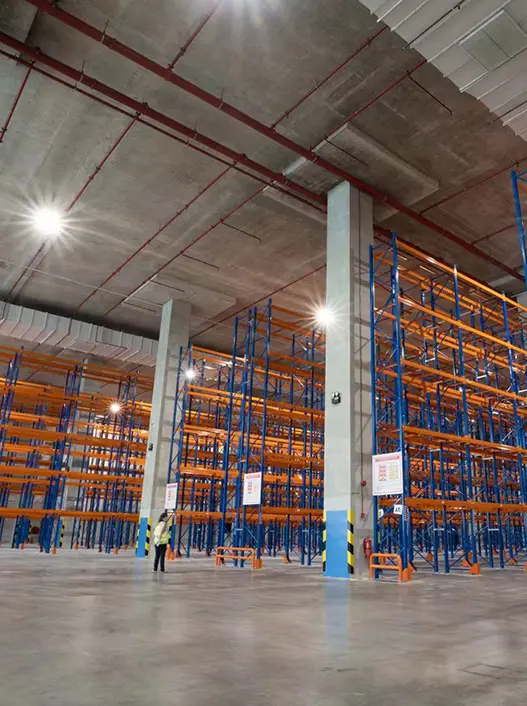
[479, 45]
[150, 218]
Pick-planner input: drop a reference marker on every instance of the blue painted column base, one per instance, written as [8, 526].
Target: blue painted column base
[339, 550]
[143, 540]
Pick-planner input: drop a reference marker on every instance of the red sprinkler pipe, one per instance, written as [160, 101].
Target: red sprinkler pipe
[191, 88]
[3, 130]
[160, 130]
[366, 43]
[194, 34]
[154, 236]
[102, 163]
[187, 247]
[144, 109]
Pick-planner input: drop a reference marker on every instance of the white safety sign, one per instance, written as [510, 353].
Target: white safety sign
[171, 496]
[252, 488]
[388, 474]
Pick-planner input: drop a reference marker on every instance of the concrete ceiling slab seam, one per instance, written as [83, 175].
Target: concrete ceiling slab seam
[247, 120]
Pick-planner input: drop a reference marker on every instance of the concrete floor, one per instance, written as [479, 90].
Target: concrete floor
[89, 630]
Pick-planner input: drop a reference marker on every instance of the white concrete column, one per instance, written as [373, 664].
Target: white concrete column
[348, 434]
[173, 334]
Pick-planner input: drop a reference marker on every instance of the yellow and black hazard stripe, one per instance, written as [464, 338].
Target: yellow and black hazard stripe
[351, 542]
[324, 541]
[148, 533]
[62, 534]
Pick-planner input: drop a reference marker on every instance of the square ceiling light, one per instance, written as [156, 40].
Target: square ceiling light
[497, 41]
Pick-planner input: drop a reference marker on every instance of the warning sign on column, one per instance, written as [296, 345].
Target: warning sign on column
[388, 474]
[252, 488]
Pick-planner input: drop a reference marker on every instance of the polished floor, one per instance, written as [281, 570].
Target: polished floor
[89, 630]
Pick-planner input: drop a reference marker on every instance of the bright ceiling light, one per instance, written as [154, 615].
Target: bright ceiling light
[324, 317]
[190, 374]
[48, 222]
[115, 408]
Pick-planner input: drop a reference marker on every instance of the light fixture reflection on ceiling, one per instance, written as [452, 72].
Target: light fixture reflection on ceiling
[115, 408]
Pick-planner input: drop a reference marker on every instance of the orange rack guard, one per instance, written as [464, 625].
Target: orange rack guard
[384, 563]
[241, 553]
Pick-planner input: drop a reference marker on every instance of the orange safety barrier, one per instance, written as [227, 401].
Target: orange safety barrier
[404, 575]
[241, 553]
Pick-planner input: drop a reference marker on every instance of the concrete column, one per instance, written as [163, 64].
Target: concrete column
[173, 333]
[348, 444]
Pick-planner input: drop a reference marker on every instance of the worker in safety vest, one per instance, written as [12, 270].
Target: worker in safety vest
[161, 540]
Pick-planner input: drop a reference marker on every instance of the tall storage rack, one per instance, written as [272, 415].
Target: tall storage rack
[519, 192]
[66, 458]
[450, 384]
[258, 409]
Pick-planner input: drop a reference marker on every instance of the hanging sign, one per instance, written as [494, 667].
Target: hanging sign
[252, 488]
[388, 474]
[171, 496]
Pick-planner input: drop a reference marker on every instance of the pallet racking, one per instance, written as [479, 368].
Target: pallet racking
[519, 189]
[258, 409]
[450, 377]
[66, 456]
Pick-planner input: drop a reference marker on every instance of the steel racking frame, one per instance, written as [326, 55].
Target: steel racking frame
[64, 455]
[449, 381]
[519, 185]
[258, 409]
